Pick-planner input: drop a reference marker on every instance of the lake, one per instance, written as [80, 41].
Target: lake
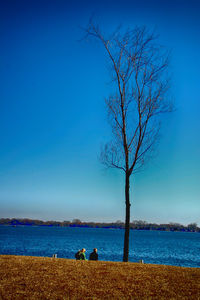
[156, 247]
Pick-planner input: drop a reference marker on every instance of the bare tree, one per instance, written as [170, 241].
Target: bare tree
[138, 69]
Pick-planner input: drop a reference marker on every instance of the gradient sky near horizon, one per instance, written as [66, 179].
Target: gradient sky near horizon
[53, 117]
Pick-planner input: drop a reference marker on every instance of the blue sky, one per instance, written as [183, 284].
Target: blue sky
[53, 117]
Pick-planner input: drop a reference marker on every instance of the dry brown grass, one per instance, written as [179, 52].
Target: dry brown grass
[23, 277]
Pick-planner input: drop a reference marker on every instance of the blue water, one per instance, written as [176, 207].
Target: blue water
[157, 247]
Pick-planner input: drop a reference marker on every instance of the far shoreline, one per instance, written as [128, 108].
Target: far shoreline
[136, 225]
[88, 227]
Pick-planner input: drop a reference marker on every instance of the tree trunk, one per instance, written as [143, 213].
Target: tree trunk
[127, 219]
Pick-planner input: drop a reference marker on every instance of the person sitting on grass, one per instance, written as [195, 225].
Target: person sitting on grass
[82, 254]
[94, 255]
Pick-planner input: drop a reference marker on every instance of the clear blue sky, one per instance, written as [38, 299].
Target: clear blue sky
[53, 118]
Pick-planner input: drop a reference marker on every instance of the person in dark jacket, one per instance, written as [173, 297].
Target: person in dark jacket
[94, 255]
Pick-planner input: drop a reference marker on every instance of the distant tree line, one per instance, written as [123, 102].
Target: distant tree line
[137, 225]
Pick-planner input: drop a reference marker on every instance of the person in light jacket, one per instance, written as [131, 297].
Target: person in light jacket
[82, 254]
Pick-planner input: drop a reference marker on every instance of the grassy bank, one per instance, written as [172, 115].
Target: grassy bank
[23, 277]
